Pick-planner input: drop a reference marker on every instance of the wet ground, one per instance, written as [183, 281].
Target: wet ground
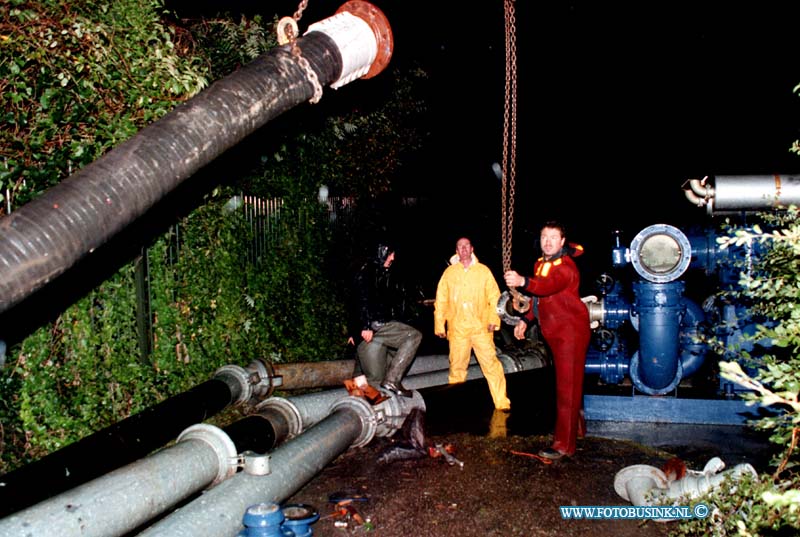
[501, 489]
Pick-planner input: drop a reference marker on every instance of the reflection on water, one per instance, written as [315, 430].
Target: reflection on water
[468, 407]
[498, 424]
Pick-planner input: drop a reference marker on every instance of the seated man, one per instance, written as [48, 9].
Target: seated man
[387, 345]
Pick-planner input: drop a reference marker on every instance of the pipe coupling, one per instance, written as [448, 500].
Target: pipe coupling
[358, 39]
[369, 417]
[264, 378]
[220, 442]
[392, 412]
[285, 409]
[239, 381]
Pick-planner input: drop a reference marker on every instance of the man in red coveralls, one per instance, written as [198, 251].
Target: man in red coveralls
[564, 321]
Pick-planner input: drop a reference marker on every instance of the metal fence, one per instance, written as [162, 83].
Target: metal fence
[263, 219]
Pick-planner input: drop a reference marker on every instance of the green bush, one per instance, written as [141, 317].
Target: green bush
[771, 284]
[83, 77]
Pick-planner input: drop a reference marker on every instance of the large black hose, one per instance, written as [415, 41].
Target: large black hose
[45, 237]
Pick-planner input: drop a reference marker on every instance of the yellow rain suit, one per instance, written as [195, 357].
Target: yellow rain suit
[466, 300]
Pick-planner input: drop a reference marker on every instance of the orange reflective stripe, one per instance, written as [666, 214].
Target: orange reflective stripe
[544, 268]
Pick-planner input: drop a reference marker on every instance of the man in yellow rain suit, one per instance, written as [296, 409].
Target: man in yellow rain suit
[465, 312]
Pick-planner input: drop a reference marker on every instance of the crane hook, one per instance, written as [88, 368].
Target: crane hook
[512, 305]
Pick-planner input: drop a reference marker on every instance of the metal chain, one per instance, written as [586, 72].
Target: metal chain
[509, 134]
[521, 302]
[287, 33]
[300, 8]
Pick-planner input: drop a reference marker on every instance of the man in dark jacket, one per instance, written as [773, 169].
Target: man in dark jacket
[387, 344]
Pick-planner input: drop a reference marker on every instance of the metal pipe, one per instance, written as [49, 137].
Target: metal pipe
[114, 446]
[218, 512]
[646, 485]
[511, 365]
[655, 368]
[305, 410]
[754, 192]
[123, 500]
[47, 236]
[253, 435]
[93, 506]
[141, 434]
[304, 375]
[734, 193]
[260, 432]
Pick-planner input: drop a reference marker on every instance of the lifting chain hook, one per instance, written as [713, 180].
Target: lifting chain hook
[287, 30]
[287, 34]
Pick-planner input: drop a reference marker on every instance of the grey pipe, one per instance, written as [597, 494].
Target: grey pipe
[303, 411]
[47, 236]
[734, 193]
[327, 373]
[124, 499]
[754, 192]
[510, 365]
[218, 512]
[127, 440]
[645, 485]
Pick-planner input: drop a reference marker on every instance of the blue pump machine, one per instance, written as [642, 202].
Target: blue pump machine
[654, 334]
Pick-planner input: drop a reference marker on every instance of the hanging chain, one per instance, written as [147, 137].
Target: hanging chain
[300, 8]
[287, 33]
[509, 134]
[521, 302]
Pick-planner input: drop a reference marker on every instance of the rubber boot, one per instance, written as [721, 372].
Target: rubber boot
[400, 362]
[372, 359]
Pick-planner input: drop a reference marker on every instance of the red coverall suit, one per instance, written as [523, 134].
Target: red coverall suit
[564, 320]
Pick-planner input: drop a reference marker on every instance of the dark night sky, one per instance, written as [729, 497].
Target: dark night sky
[618, 104]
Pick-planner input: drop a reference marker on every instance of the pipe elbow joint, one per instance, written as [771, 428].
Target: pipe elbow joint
[698, 192]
